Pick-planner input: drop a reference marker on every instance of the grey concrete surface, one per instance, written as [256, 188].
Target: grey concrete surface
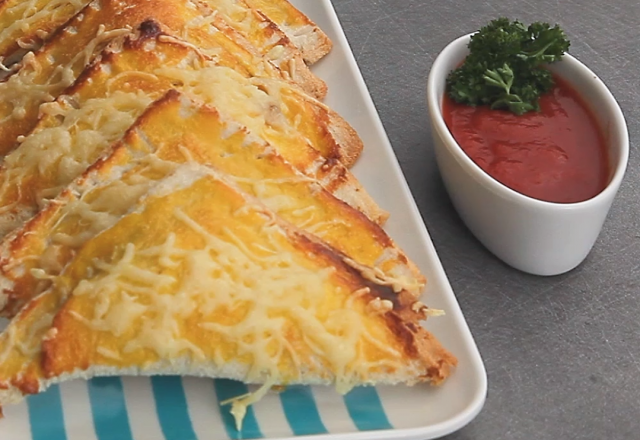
[562, 353]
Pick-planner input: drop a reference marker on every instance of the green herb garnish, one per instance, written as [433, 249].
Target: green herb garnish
[504, 67]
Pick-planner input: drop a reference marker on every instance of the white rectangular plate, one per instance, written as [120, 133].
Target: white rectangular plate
[176, 408]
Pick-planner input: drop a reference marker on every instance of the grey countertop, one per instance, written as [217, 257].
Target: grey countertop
[562, 353]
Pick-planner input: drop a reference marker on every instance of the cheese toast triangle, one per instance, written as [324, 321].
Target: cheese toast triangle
[173, 130]
[78, 127]
[43, 75]
[202, 279]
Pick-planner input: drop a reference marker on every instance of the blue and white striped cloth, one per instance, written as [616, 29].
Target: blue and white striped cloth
[175, 408]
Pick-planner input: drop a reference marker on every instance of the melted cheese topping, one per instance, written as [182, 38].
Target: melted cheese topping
[72, 135]
[212, 36]
[21, 20]
[109, 203]
[62, 149]
[39, 81]
[228, 90]
[255, 28]
[52, 157]
[56, 153]
[20, 343]
[71, 138]
[294, 23]
[241, 403]
[47, 73]
[264, 113]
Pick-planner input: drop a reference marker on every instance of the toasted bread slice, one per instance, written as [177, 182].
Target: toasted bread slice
[44, 74]
[201, 279]
[114, 91]
[171, 131]
[305, 34]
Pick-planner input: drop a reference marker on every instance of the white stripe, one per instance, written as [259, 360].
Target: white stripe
[78, 419]
[203, 408]
[141, 408]
[333, 410]
[414, 406]
[15, 424]
[270, 416]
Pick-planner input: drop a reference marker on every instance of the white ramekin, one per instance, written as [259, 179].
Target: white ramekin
[534, 236]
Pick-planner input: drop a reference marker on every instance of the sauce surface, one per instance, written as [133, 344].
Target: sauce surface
[557, 155]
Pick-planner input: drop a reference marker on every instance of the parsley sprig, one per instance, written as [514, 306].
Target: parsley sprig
[504, 68]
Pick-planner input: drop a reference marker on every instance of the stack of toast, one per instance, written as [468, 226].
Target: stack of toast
[175, 198]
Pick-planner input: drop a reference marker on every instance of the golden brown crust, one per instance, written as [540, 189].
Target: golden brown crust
[307, 80]
[340, 140]
[418, 342]
[145, 59]
[348, 140]
[315, 48]
[18, 288]
[70, 346]
[402, 319]
[64, 45]
[12, 127]
[338, 180]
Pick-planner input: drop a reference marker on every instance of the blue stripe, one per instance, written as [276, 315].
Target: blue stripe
[366, 410]
[45, 415]
[172, 408]
[228, 389]
[109, 409]
[301, 411]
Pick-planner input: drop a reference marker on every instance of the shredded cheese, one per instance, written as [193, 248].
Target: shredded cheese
[240, 404]
[57, 152]
[24, 19]
[256, 28]
[228, 90]
[55, 155]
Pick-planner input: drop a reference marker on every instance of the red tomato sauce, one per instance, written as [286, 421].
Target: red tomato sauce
[557, 155]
